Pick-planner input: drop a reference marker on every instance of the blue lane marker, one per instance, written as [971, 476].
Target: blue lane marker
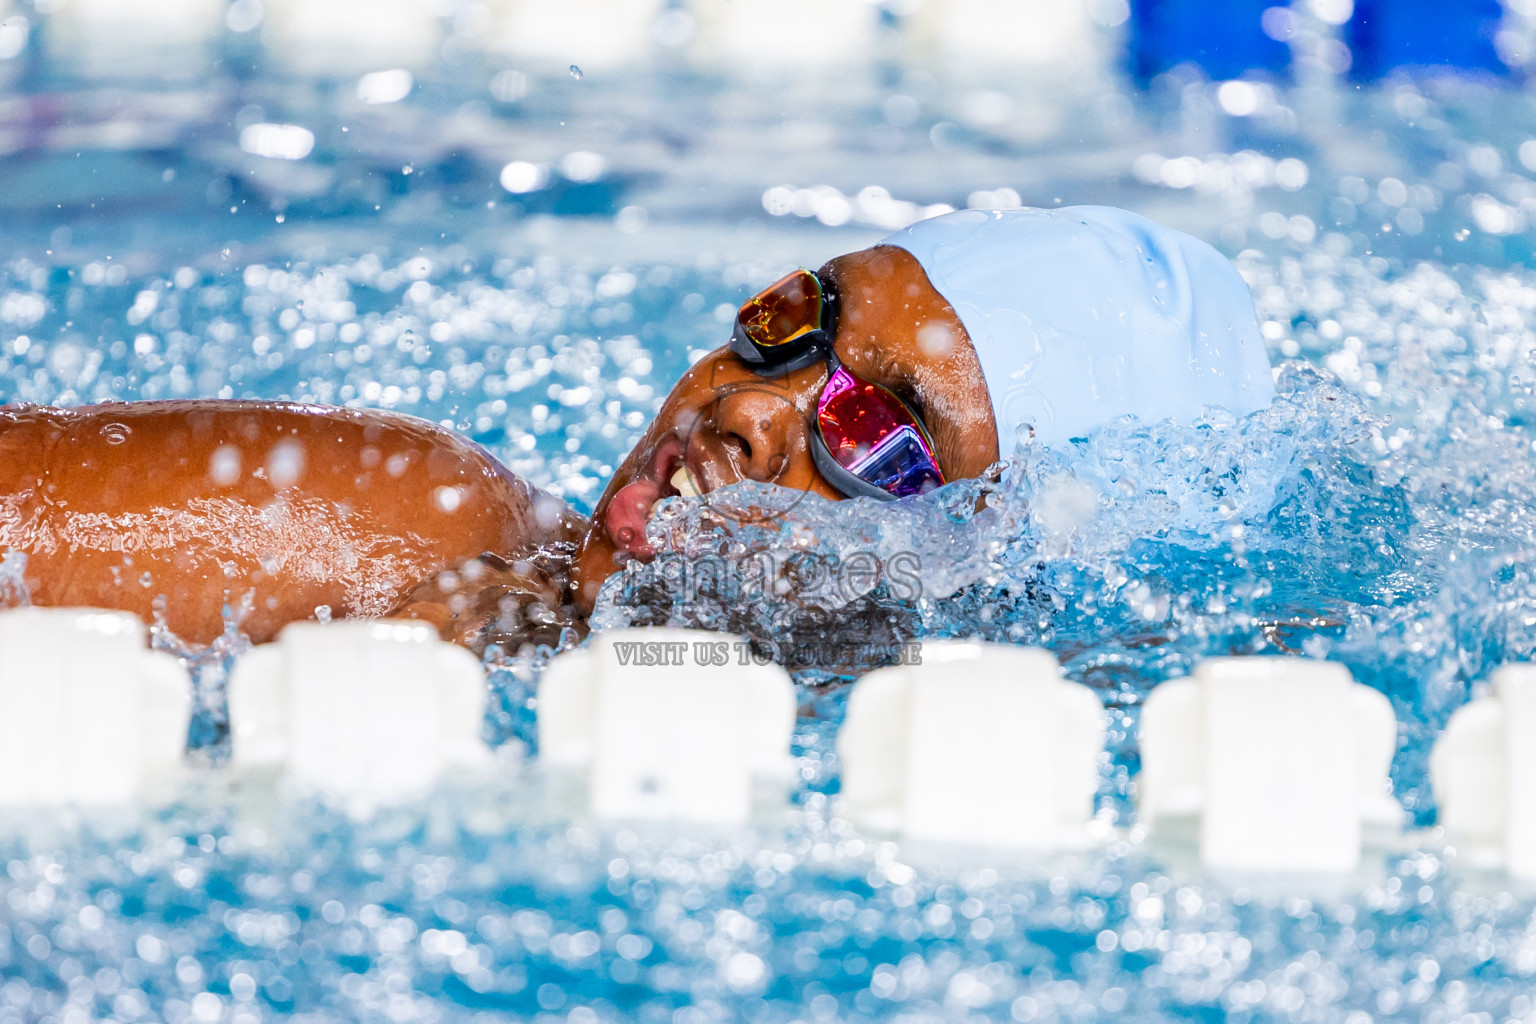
[1225, 38]
[1384, 35]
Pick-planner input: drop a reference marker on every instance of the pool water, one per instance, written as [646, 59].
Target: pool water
[1378, 514]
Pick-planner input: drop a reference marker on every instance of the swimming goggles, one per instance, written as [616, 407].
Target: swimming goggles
[866, 441]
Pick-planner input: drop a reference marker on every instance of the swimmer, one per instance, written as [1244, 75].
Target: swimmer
[929, 356]
[886, 373]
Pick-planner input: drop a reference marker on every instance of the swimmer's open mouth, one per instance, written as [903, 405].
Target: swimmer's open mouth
[667, 476]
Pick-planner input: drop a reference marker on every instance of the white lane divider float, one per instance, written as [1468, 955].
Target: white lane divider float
[980, 743]
[667, 724]
[593, 35]
[172, 39]
[729, 34]
[342, 36]
[1483, 770]
[88, 714]
[374, 712]
[1283, 761]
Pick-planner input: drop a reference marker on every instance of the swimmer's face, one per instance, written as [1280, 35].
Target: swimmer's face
[724, 423]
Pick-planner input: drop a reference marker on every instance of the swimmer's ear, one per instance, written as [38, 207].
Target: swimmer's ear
[490, 600]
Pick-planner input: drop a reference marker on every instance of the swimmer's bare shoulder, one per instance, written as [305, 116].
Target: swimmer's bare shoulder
[297, 506]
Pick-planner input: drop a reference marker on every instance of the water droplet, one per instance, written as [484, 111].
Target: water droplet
[576, 72]
[14, 592]
[115, 433]
[224, 466]
[285, 463]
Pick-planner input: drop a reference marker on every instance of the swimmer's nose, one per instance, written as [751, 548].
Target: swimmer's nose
[759, 429]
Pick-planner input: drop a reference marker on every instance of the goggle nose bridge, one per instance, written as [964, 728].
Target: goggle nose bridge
[815, 345]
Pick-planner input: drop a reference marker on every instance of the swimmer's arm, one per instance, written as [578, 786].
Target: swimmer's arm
[493, 600]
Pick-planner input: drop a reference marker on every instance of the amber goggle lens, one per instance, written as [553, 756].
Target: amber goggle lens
[781, 313]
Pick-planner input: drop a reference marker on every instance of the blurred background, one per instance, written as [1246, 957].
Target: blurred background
[524, 218]
[156, 125]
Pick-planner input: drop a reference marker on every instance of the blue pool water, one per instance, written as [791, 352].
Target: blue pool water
[1379, 514]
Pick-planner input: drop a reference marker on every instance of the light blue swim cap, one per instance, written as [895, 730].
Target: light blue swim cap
[1083, 314]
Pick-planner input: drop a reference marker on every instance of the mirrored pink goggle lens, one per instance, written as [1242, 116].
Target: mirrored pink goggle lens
[875, 436]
